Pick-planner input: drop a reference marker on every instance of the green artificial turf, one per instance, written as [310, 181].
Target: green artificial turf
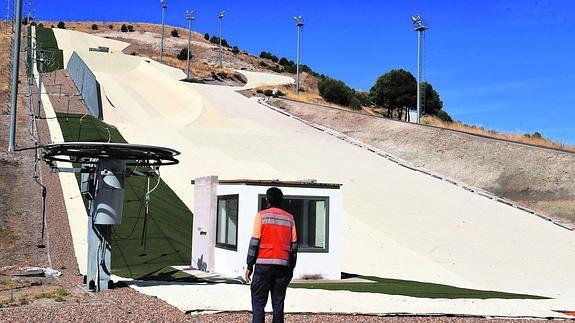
[413, 289]
[46, 41]
[169, 228]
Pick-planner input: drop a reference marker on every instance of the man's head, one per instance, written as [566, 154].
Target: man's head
[274, 197]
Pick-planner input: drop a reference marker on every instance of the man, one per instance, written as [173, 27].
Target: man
[273, 249]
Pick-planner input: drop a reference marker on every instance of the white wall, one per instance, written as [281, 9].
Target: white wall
[233, 263]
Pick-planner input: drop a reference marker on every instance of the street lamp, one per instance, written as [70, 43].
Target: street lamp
[299, 24]
[220, 17]
[420, 28]
[189, 17]
[164, 7]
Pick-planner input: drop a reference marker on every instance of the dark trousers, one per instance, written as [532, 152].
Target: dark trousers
[274, 279]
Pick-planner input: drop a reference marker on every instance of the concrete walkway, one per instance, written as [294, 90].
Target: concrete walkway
[397, 223]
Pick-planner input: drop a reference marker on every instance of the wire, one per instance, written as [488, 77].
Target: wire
[80, 128]
[157, 183]
[35, 176]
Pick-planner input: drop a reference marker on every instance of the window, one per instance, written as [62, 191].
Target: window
[227, 222]
[311, 215]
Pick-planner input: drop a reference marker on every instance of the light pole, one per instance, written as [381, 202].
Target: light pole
[299, 24]
[164, 7]
[220, 17]
[189, 17]
[15, 68]
[420, 28]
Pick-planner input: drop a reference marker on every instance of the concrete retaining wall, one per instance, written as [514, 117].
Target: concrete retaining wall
[87, 84]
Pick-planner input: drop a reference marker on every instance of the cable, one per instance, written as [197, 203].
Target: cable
[158, 183]
[147, 208]
[80, 128]
[44, 193]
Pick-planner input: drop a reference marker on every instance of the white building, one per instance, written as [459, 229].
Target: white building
[224, 213]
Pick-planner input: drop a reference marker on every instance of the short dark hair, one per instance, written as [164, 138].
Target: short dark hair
[274, 196]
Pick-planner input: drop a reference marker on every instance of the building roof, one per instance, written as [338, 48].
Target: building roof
[309, 183]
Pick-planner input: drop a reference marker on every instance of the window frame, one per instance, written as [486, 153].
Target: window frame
[327, 216]
[222, 245]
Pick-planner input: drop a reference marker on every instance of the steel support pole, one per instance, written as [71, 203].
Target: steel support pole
[189, 46]
[41, 59]
[418, 75]
[162, 35]
[105, 210]
[298, 59]
[220, 56]
[15, 70]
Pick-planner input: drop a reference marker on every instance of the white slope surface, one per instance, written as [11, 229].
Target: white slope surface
[397, 223]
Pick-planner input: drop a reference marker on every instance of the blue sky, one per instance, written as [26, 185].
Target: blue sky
[501, 64]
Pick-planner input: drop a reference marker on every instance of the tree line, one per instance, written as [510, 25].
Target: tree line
[395, 90]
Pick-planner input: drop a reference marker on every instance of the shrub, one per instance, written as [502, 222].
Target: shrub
[61, 25]
[111, 26]
[130, 28]
[175, 33]
[283, 61]
[263, 64]
[183, 55]
[235, 50]
[94, 27]
[536, 135]
[207, 36]
[363, 98]
[269, 56]
[444, 116]
[355, 103]
[124, 28]
[41, 25]
[336, 91]
[290, 69]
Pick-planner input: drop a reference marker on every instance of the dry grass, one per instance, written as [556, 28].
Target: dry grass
[200, 70]
[476, 130]
[5, 58]
[86, 26]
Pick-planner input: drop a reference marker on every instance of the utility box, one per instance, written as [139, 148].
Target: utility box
[224, 213]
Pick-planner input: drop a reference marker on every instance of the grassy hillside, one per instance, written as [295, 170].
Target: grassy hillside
[169, 233]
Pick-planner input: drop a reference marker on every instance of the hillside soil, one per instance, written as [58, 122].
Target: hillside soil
[539, 178]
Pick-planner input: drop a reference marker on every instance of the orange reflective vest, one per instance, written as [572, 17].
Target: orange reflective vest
[277, 234]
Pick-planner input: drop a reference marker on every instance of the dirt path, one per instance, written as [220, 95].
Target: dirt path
[541, 179]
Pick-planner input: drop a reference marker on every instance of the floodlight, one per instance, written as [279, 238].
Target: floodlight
[221, 14]
[190, 15]
[164, 3]
[298, 20]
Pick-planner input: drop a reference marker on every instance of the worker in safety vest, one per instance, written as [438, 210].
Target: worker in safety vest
[273, 249]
